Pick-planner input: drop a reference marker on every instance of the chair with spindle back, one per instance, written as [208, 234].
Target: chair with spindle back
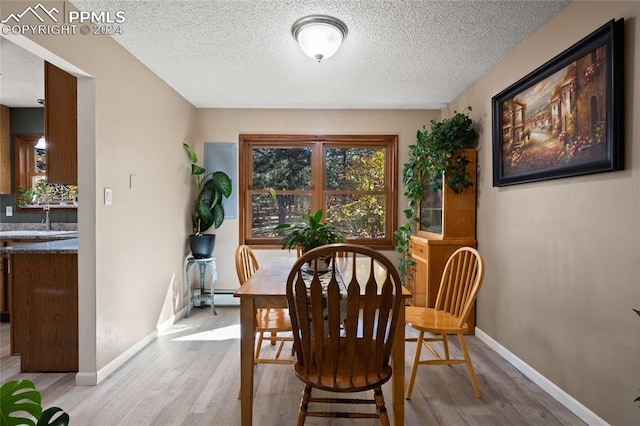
[363, 291]
[459, 286]
[268, 320]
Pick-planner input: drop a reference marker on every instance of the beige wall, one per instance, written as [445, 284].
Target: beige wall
[563, 256]
[131, 253]
[224, 125]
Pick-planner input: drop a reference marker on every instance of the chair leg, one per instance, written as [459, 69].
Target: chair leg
[380, 407]
[279, 350]
[258, 347]
[414, 367]
[467, 358]
[273, 337]
[445, 345]
[304, 405]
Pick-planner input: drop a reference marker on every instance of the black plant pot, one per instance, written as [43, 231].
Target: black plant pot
[202, 245]
[322, 265]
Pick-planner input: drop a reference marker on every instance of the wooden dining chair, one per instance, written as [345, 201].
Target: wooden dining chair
[268, 320]
[363, 291]
[459, 286]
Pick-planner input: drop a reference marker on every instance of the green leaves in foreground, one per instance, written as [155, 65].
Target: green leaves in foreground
[20, 404]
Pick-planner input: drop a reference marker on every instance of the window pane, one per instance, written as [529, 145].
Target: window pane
[431, 209]
[41, 160]
[281, 168]
[359, 169]
[267, 212]
[357, 216]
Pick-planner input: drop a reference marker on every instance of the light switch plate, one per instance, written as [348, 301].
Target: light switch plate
[108, 197]
[8, 210]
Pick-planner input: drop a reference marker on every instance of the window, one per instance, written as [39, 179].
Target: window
[352, 178]
[32, 188]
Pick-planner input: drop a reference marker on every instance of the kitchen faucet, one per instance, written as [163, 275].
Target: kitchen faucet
[46, 208]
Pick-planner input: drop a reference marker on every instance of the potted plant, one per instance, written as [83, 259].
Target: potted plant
[207, 208]
[437, 152]
[309, 234]
[20, 404]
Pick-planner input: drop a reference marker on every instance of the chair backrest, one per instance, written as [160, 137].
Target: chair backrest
[461, 281]
[246, 263]
[354, 305]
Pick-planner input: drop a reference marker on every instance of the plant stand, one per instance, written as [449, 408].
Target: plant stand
[203, 264]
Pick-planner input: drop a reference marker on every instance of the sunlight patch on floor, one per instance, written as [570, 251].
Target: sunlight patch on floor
[175, 329]
[224, 333]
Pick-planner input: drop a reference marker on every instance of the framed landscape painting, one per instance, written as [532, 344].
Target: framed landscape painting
[566, 117]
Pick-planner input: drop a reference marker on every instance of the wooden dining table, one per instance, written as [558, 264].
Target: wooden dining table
[267, 289]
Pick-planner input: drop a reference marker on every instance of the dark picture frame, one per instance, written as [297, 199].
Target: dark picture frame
[566, 118]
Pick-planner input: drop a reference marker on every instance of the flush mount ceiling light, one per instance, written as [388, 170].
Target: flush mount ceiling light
[42, 143]
[319, 36]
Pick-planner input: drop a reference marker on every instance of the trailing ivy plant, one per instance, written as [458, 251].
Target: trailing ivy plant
[436, 153]
[442, 150]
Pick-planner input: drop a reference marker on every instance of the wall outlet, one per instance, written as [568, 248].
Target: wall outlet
[8, 210]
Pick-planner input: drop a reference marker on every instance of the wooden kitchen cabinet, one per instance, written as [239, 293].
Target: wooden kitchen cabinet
[61, 125]
[4, 292]
[452, 224]
[44, 314]
[5, 151]
[11, 243]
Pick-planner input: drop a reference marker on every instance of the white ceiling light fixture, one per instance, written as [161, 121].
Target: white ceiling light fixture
[319, 36]
[42, 143]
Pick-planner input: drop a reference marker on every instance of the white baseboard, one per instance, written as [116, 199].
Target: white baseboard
[119, 361]
[86, 379]
[172, 320]
[586, 415]
[92, 379]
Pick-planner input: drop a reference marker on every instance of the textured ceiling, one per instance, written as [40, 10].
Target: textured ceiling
[398, 54]
[22, 80]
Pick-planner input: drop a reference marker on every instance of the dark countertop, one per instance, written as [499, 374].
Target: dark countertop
[22, 235]
[66, 246]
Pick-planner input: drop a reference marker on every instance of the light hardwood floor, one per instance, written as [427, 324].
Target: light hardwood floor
[189, 376]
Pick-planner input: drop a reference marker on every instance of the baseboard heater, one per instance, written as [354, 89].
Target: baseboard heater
[225, 297]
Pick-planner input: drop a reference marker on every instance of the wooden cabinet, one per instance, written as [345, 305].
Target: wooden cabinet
[430, 256]
[450, 215]
[5, 161]
[452, 224]
[6, 281]
[44, 314]
[4, 293]
[61, 125]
